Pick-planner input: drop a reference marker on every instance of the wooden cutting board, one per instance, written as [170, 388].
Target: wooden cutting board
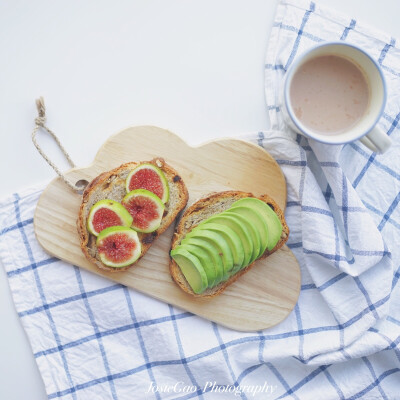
[261, 298]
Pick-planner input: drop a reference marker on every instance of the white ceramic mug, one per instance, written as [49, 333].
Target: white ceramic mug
[366, 129]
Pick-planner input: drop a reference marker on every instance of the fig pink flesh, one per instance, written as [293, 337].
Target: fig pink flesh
[104, 218]
[147, 179]
[117, 247]
[143, 211]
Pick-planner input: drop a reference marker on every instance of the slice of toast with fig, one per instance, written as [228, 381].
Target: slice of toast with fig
[124, 210]
[221, 237]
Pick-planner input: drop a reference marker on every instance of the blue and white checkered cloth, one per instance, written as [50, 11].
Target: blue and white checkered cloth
[93, 339]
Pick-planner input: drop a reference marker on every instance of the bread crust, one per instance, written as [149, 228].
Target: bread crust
[199, 211]
[105, 185]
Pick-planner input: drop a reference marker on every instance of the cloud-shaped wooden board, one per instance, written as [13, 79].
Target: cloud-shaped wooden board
[261, 298]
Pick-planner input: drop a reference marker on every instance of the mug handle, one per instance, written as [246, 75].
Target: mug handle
[376, 140]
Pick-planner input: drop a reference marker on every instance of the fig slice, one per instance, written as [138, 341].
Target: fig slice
[148, 176]
[145, 208]
[106, 213]
[118, 246]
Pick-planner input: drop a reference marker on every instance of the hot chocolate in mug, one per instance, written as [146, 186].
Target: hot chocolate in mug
[336, 93]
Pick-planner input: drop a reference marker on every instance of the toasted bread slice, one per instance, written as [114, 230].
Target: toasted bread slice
[111, 185]
[205, 208]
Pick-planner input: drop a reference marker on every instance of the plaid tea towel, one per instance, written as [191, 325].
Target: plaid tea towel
[94, 339]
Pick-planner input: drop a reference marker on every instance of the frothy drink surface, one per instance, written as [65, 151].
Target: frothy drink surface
[329, 94]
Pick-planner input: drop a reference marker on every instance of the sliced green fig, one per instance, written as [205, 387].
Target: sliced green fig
[148, 176]
[145, 208]
[106, 213]
[118, 246]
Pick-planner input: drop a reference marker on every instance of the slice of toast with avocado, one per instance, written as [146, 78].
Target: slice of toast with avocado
[124, 210]
[220, 237]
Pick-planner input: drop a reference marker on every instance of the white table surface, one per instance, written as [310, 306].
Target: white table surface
[193, 67]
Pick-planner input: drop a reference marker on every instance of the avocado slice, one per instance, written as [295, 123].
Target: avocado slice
[232, 222]
[231, 238]
[257, 220]
[191, 268]
[253, 232]
[204, 258]
[273, 223]
[213, 252]
[219, 242]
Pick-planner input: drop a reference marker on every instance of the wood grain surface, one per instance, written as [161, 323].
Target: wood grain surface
[261, 298]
